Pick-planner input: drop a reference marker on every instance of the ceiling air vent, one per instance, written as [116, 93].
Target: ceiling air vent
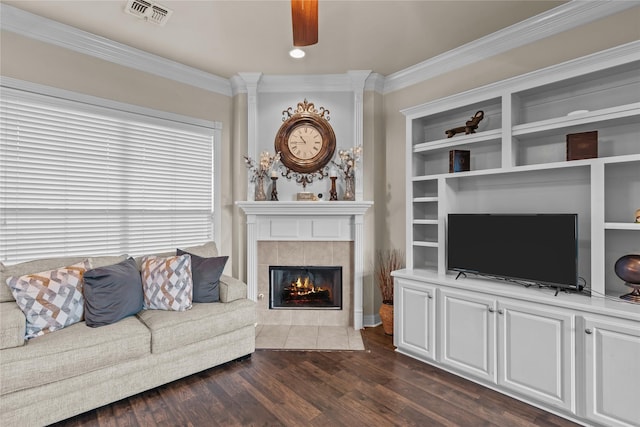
[149, 11]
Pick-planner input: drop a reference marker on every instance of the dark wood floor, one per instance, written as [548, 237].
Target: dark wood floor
[376, 387]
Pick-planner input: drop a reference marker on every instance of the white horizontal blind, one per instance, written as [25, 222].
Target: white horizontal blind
[84, 180]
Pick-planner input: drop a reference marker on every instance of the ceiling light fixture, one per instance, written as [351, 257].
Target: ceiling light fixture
[304, 17]
[296, 53]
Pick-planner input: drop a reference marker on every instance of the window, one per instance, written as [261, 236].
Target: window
[81, 179]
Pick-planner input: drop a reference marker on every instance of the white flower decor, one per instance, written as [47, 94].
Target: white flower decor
[264, 166]
[349, 160]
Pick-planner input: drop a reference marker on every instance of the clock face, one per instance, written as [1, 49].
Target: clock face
[305, 142]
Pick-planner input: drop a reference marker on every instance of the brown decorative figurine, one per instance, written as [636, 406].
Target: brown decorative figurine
[469, 127]
[333, 194]
[274, 188]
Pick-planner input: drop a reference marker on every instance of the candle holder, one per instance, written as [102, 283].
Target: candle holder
[274, 188]
[333, 194]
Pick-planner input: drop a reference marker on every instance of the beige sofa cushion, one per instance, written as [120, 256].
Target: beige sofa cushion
[45, 264]
[171, 329]
[232, 289]
[13, 325]
[72, 351]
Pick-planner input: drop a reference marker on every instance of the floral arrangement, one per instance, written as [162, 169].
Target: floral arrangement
[260, 170]
[348, 160]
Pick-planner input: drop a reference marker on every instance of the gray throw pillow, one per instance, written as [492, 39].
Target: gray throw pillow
[206, 274]
[112, 293]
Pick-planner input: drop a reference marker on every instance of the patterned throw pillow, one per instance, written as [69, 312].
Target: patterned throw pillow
[50, 300]
[167, 282]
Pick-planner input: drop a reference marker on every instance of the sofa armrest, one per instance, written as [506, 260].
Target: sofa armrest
[13, 325]
[232, 289]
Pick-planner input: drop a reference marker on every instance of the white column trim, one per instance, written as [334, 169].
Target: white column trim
[358, 79]
[358, 274]
[252, 257]
[251, 81]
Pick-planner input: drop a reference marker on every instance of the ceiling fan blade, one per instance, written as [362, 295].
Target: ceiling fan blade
[304, 16]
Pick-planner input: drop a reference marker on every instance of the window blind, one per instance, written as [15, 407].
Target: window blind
[80, 179]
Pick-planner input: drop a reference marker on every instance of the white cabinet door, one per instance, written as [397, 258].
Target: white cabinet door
[536, 352]
[612, 355]
[467, 322]
[414, 318]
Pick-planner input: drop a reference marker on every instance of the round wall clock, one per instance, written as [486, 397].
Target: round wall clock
[305, 140]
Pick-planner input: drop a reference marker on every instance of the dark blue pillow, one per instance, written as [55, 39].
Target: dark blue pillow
[206, 274]
[112, 293]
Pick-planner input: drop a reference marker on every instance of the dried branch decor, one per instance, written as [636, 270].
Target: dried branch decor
[386, 262]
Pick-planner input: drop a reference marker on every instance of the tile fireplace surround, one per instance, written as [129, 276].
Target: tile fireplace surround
[306, 233]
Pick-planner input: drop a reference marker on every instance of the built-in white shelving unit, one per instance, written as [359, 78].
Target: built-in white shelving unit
[567, 353]
[518, 159]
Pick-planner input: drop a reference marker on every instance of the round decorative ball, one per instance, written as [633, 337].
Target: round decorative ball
[628, 268]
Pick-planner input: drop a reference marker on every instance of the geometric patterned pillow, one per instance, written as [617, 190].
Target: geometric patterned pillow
[167, 282]
[52, 299]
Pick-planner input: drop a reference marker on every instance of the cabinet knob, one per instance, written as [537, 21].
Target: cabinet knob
[588, 331]
[501, 311]
[430, 296]
[492, 310]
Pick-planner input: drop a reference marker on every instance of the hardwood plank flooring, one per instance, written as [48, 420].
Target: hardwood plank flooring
[376, 387]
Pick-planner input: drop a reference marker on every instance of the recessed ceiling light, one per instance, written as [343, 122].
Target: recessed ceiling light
[296, 53]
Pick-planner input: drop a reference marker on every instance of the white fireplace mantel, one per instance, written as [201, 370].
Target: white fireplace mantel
[322, 221]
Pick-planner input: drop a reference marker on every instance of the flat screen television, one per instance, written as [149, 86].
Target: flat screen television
[532, 248]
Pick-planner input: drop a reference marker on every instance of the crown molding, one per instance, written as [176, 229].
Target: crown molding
[554, 21]
[46, 30]
[546, 24]
[307, 83]
[612, 57]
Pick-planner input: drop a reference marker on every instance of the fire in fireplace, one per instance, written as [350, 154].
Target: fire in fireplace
[303, 287]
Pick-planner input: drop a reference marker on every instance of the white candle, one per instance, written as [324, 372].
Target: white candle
[333, 173]
[274, 174]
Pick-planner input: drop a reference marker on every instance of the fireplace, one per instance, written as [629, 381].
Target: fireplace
[305, 287]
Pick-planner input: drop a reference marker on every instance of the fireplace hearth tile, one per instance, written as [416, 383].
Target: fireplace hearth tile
[334, 342]
[267, 342]
[332, 331]
[275, 330]
[303, 331]
[297, 342]
[301, 337]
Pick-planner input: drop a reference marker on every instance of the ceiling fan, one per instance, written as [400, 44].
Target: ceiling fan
[304, 16]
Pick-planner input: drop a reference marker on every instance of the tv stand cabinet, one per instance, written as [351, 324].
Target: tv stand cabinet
[569, 353]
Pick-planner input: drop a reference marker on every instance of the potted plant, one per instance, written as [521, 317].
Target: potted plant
[386, 262]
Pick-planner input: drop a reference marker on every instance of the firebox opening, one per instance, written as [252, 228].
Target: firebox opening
[305, 287]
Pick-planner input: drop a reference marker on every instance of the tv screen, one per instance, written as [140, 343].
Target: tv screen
[538, 248]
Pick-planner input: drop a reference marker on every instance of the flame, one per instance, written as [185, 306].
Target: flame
[304, 286]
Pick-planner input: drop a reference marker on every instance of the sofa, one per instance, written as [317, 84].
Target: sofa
[78, 368]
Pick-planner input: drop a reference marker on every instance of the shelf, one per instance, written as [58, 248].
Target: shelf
[425, 199]
[441, 144]
[426, 244]
[537, 167]
[425, 221]
[622, 114]
[621, 226]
